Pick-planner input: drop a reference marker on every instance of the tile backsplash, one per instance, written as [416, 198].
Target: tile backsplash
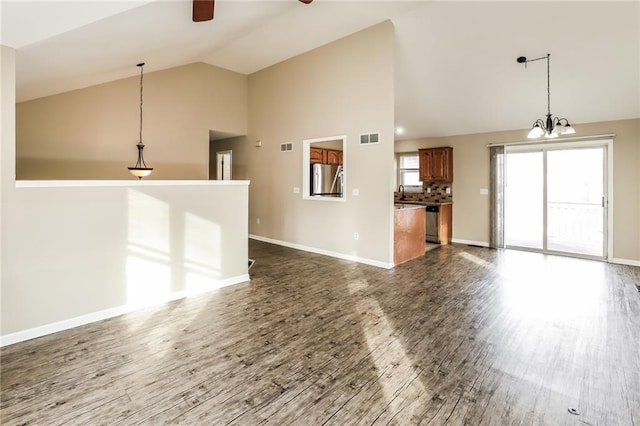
[438, 194]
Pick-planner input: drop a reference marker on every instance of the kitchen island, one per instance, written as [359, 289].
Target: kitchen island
[408, 232]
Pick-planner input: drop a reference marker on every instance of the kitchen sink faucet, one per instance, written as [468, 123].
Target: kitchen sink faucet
[401, 191]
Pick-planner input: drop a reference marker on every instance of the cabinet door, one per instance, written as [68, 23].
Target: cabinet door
[446, 223]
[340, 158]
[333, 157]
[438, 165]
[317, 155]
[443, 165]
[425, 165]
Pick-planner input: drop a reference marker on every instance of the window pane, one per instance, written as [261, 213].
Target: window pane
[409, 161]
[410, 177]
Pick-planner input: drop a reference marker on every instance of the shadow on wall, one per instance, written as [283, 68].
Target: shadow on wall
[104, 251]
[162, 261]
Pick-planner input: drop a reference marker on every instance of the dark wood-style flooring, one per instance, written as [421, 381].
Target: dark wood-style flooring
[463, 335]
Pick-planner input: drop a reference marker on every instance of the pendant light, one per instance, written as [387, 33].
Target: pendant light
[140, 170]
[551, 127]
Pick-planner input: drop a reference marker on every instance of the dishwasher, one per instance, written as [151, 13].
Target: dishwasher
[432, 225]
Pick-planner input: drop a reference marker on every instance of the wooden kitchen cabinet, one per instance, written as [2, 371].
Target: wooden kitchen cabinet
[446, 223]
[318, 155]
[325, 156]
[436, 164]
[408, 233]
[333, 157]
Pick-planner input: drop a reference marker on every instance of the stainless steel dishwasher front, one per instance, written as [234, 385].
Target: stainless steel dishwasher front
[432, 224]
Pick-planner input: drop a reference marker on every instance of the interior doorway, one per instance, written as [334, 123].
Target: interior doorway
[555, 199]
[223, 165]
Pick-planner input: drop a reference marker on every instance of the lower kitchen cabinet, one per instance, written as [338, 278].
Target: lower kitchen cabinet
[446, 223]
[439, 223]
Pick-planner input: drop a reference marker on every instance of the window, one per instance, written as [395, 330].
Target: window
[409, 171]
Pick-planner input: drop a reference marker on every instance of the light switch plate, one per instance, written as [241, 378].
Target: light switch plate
[484, 191]
[355, 191]
[296, 190]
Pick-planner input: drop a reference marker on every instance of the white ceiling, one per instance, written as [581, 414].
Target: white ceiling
[456, 69]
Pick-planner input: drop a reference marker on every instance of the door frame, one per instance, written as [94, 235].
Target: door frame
[608, 205]
[220, 164]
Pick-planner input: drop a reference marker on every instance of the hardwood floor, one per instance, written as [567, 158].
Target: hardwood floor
[463, 335]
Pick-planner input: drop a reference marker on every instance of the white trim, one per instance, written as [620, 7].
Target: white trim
[554, 141]
[470, 242]
[306, 161]
[125, 183]
[43, 330]
[609, 208]
[337, 255]
[220, 170]
[629, 262]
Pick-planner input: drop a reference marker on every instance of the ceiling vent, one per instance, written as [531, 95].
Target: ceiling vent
[369, 138]
[286, 147]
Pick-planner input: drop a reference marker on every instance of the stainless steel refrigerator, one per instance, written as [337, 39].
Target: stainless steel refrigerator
[326, 180]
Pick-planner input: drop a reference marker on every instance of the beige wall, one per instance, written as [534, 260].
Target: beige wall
[7, 146]
[471, 172]
[76, 254]
[343, 88]
[91, 133]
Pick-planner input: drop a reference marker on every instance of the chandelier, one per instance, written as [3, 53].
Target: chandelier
[140, 170]
[551, 127]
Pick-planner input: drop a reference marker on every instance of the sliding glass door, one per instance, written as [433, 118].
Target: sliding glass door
[575, 201]
[555, 200]
[523, 200]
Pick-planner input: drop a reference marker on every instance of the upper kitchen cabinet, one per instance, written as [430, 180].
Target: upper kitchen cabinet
[436, 164]
[325, 156]
[318, 155]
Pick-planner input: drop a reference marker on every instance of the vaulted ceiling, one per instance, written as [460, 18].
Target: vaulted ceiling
[456, 69]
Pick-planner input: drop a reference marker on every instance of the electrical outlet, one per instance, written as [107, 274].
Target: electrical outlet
[356, 192]
[448, 190]
[484, 191]
[258, 221]
[356, 236]
[428, 190]
[296, 190]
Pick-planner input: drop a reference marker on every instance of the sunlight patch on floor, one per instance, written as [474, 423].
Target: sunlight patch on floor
[475, 259]
[396, 372]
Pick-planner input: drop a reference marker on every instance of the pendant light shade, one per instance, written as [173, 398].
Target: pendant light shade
[140, 170]
[551, 127]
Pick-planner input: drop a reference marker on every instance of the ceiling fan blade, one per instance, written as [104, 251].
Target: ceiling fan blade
[202, 10]
[305, 1]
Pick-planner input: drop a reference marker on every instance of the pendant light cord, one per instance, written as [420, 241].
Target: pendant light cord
[141, 76]
[548, 85]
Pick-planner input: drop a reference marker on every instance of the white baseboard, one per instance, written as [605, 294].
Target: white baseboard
[43, 330]
[366, 261]
[624, 261]
[470, 243]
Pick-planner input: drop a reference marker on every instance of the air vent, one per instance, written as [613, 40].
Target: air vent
[369, 138]
[285, 147]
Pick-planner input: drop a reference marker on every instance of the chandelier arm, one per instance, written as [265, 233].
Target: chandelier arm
[537, 59]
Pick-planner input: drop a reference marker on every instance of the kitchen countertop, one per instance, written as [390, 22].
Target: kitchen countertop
[421, 203]
[406, 206]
